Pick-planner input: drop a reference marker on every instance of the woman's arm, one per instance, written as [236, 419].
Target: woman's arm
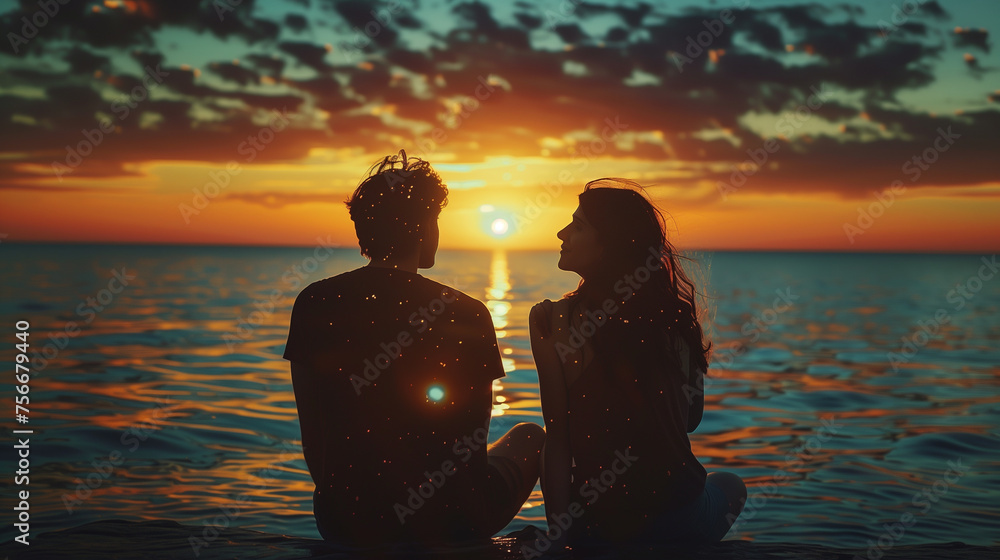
[695, 387]
[556, 459]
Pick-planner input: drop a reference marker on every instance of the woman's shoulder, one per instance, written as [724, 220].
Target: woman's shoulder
[542, 315]
[549, 305]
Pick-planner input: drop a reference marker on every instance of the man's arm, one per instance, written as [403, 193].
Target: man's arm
[309, 399]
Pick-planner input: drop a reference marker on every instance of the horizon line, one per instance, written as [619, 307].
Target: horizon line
[525, 250]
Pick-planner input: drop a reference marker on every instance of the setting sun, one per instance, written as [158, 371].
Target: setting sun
[499, 227]
[496, 221]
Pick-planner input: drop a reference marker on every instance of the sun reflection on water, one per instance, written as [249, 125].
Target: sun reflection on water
[496, 296]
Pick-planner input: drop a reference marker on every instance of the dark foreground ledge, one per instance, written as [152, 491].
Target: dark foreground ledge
[154, 540]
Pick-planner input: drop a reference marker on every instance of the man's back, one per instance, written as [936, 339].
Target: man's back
[392, 375]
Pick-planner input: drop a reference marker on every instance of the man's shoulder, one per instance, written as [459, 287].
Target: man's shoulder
[451, 291]
[322, 288]
[366, 279]
[456, 300]
[359, 279]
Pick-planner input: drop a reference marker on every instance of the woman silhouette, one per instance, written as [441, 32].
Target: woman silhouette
[620, 364]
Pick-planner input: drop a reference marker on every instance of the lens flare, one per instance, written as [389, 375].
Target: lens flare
[435, 393]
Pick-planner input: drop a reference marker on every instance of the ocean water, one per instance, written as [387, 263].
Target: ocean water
[858, 395]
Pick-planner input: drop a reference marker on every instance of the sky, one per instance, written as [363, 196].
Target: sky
[755, 125]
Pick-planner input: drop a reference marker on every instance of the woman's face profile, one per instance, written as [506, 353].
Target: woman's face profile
[581, 247]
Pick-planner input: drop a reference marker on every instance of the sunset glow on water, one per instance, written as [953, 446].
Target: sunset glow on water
[180, 377]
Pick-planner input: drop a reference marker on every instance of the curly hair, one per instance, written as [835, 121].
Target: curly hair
[393, 206]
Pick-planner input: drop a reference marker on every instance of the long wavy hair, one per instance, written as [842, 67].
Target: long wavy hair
[662, 307]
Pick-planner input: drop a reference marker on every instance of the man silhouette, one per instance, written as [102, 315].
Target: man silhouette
[393, 375]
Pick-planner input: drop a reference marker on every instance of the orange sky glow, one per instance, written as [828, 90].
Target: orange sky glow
[146, 210]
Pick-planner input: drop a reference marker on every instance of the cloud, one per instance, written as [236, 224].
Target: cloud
[630, 16]
[82, 61]
[134, 23]
[968, 37]
[484, 81]
[857, 168]
[476, 21]
[328, 93]
[307, 54]
[934, 9]
[56, 188]
[234, 73]
[570, 33]
[272, 64]
[280, 199]
[761, 31]
[528, 21]
[374, 21]
[296, 22]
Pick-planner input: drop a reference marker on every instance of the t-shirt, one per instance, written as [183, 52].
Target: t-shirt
[395, 404]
